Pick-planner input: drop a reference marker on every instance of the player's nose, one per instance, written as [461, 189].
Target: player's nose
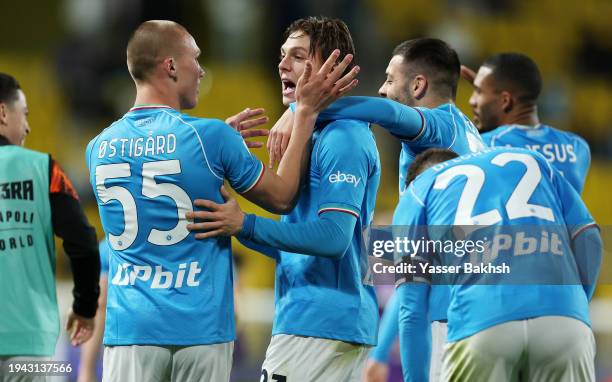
[382, 91]
[472, 100]
[283, 65]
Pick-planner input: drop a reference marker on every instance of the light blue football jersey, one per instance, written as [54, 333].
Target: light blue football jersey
[566, 151]
[444, 127]
[495, 188]
[323, 297]
[166, 287]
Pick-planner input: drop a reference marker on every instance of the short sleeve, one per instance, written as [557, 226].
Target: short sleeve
[241, 168]
[343, 162]
[410, 210]
[88, 151]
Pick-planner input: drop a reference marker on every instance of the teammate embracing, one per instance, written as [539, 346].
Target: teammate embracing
[506, 89]
[326, 314]
[418, 108]
[170, 297]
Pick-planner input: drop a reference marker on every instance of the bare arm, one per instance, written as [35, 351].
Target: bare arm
[278, 192]
[468, 74]
[89, 350]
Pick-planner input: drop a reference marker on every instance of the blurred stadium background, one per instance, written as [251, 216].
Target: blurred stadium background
[69, 56]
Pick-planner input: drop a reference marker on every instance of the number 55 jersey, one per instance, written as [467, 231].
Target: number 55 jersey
[165, 287]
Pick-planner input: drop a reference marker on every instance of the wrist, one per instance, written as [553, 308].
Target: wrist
[305, 110]
[248, 225]
[305, 120]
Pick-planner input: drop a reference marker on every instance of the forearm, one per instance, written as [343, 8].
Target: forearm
[415, 332]
[293, 164]
[587, 247]
[81, 247]
[333, 228]
[278, 192]
[388, 331]
[400, 120]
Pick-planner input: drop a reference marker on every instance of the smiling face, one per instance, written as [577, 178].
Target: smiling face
[396, 85]
[293, 55]
[486, 101]
[14, 120]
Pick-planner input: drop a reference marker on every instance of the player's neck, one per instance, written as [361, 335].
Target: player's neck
[431, 102]
[147, 94]
[526, 115]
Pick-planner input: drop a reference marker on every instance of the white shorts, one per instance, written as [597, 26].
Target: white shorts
[548, 348]
[168, 363]
[438, 342]
[292, 358]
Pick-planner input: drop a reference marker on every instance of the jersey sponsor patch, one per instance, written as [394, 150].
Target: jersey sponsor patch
[157, 277]
[340, 177]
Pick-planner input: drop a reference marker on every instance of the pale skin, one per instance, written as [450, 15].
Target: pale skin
[174, 81]
[245, 121]
[405, 84]
[375, 371]
[399, 85]
[314, 92]
[293, 56]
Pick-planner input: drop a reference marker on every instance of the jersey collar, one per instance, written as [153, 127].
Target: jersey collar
[149, 106]
[528, 127]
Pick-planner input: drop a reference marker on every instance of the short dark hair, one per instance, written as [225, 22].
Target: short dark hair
[517, 73]
[326, 34]
[8, 88]
[150, 43]
[426, 159]
[436, 60]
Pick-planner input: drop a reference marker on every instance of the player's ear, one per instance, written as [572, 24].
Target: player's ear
[169, 65]
[507, 101]
[3, 114]
[419, 86]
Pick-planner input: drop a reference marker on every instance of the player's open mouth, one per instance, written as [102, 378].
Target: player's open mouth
[288, 87]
